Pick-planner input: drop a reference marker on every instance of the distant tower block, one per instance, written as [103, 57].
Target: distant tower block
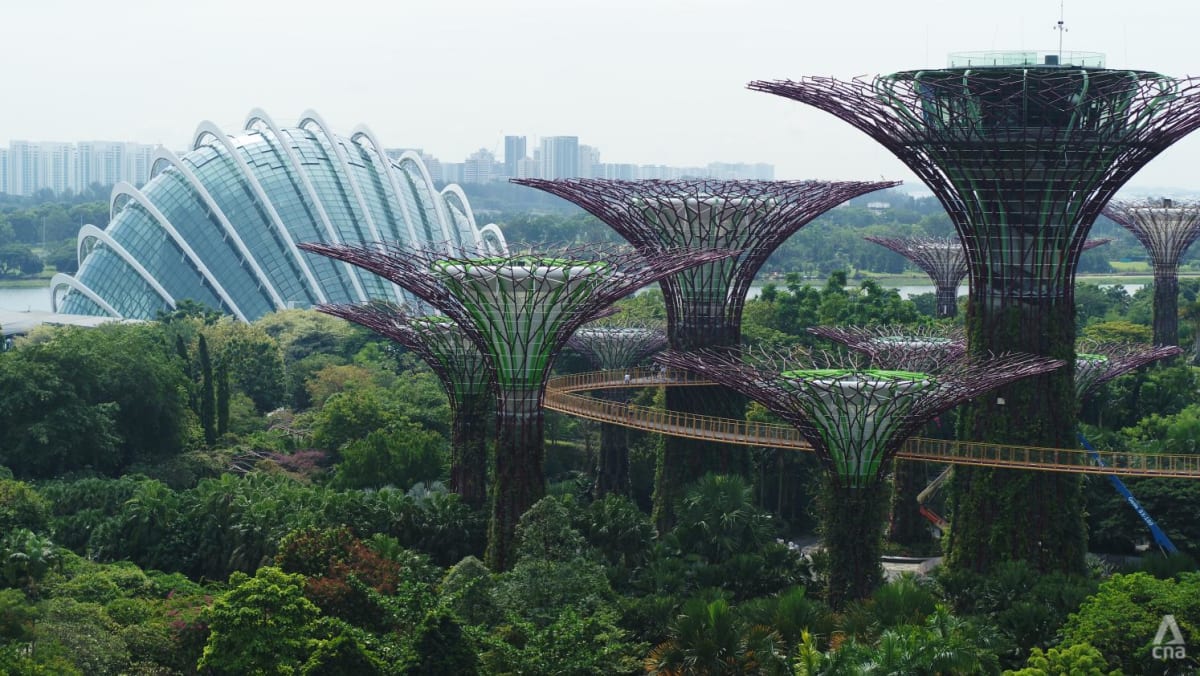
[518, 309]
[616, 342]
[1023, 152]
[1166, 228]
[704, 304]
[943, 259]
[464, 374]
[856, 418]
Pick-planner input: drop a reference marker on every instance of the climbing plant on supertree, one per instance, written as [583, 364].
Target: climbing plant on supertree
[704, 303]
[615, 342]
[518, 309]
[463, 373]
[1023, 159]
[856, 418]
[1166, 228]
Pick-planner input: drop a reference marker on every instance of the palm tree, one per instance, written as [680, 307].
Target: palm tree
[709, 638]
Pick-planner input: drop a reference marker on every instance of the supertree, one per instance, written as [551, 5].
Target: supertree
[616, 342]
[943, 259]
[704, 303]
[1023, 156]
[856, 418]
[464, 375]
[910, 348]
[518, 309]
[1166, 228]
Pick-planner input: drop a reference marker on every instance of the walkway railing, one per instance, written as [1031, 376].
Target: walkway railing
[564, 394]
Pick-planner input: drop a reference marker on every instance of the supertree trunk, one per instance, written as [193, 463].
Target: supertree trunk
[469, 450]
[906, 525]
[612, 462]
[947, 301]
[852, 533]
[519, 482]
[1166, 305]
[1003, 514]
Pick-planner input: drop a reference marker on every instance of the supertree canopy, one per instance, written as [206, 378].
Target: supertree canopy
[1023, 155]
[1166, 228]
[616, 342]
[704, 303]
[1097, 362]
[464, 375]
[856, 419]
[943, 259]
[519, 309]
[918, 348]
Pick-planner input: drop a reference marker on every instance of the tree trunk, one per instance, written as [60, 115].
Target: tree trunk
[468, 450]
[1006, 514]
[1166, 305]
[947, 301]
[519, 482]
[852, 524]
[906, 526]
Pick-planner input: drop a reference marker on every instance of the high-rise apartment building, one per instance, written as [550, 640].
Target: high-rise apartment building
[589, 161]
[560, 157]
[480, 167]
[514, 152]
[74, 166]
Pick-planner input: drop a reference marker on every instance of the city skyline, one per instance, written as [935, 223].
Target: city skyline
[647, 82]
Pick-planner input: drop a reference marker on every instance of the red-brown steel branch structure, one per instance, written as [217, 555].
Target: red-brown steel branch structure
[1023, 158]
[464, 375]
[518, 309]
[1166, 228]
[941, 258]
[856, 419]
[704, 304]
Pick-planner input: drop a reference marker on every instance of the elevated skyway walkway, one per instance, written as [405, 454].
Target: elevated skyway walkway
[567, 394]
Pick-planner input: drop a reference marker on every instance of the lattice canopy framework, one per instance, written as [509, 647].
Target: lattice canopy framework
[518, 309]
[1023, 159]
[855, 417]
[1166, 228]
[1097, 362]
[752, 218]
[463, 372]
[912, 348]
[618, 341]
[941, 258]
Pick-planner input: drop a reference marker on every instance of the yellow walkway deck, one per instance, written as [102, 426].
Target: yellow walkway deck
[565, 394]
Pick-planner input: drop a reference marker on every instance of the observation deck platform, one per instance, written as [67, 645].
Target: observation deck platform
[567, 394]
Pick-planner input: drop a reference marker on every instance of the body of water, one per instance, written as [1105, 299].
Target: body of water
[36, 298]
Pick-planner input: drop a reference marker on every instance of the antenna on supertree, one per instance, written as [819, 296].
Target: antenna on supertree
[1023, 150]
[1166, 228]
[518, 309]
[464, 375]
[943, 259]
[704, 303]
[856, 418]
[616, 342]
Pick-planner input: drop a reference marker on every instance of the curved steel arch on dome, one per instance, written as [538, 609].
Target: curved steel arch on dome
[233, 210]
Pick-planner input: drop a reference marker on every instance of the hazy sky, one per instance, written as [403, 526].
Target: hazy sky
[646, 81]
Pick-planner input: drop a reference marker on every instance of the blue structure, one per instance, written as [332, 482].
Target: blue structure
[219, 225]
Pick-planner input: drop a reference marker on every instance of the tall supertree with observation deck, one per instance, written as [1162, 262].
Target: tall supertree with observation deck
[856, 418]
[1166, 228]
[616, 342]
[464, 375]
[1023, 152]
[518, 309]
[704, 303]
[943, 259]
